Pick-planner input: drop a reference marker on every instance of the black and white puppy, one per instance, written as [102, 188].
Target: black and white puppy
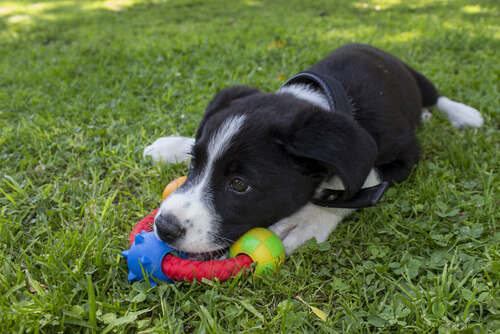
[261, 160]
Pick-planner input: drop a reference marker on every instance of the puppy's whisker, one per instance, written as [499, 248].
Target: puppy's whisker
[224, 240]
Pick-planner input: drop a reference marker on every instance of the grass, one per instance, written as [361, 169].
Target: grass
[85, 85]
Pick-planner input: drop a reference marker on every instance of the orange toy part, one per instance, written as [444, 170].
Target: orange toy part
[173, 186]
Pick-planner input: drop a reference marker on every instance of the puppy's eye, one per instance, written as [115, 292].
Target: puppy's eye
[239, 186]
[192, 164]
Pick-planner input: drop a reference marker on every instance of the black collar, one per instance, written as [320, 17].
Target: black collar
[339, 102]
[364, 198]
[329, 86]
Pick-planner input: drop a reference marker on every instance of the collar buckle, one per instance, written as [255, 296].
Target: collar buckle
[364, 198]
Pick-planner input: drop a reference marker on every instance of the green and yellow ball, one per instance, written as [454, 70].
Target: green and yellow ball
[263, 247]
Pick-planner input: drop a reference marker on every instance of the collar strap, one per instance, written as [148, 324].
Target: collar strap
[364, 197]
[331, 87]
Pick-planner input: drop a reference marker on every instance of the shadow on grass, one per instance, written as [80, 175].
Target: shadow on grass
[74, 14]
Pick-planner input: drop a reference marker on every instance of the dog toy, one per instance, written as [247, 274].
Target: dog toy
[151, 257]
[172, 186]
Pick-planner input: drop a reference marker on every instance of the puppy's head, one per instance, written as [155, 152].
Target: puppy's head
[259, 158]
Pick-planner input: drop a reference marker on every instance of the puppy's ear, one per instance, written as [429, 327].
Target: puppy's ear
[222, 99]
[335, 141]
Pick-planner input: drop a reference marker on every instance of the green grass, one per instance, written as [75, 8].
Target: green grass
[84, 86]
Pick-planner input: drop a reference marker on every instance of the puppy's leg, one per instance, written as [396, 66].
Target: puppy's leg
[310, 221]
[400, 169]
[170, 149]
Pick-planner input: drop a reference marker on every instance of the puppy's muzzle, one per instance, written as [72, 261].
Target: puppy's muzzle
[168, 228]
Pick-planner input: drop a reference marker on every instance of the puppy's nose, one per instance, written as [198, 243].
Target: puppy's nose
[168, 228]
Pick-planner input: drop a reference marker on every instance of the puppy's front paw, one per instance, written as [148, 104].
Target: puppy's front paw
[295, 235]
[310, 221]
[170, 149]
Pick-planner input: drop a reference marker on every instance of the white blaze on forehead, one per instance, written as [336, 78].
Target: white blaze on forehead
[193, 207]
[221, 140]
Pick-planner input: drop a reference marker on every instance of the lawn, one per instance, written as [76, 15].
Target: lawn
[86, 85]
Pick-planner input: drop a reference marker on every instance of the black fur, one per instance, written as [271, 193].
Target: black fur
[281, 183]
[388, 97]
[287, 146]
